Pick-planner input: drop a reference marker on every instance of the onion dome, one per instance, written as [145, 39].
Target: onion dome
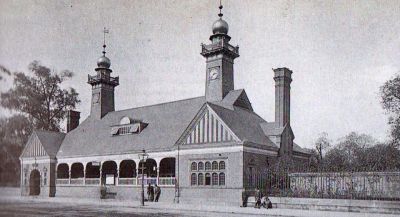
[104, 62]
[220, 27]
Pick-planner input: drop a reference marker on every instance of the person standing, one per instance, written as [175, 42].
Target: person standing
[149, 192]
[258, 196]
[157, 191]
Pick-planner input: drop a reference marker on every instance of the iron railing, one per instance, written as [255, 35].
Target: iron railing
[332, 185]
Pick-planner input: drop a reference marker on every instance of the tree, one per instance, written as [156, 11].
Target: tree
[14, 132]
[321, 145]
[390, 93]
[40, 97]
[4, 70]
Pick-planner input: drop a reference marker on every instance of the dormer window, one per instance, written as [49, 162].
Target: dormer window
[128, 126]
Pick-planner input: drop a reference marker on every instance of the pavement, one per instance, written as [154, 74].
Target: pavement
[112, 207]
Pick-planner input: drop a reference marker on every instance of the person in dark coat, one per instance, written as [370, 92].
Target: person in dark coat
[157, 192]
[258, 196]
[244, 198]
[150, 193]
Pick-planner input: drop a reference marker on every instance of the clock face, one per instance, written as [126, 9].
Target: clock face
[96, 98]
[213, 73]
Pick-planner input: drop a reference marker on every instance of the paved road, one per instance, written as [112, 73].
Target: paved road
[43, 209]
[8, 209]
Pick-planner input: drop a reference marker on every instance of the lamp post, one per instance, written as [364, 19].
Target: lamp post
[143, 157]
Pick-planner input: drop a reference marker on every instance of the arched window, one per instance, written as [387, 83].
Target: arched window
[222, 179]
[208, 179]
[201, 166]
[77, 170]
[214, 179]
[62, 171]
[193, 179]
[208, 165]
[222, 165]
[201, 179]
[194, 166]
[215, 165]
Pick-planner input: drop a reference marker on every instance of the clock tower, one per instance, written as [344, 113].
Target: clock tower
[219, 61]
[102, 87]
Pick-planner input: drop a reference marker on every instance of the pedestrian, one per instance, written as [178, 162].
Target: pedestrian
[244, 198]
[150, 192]
[157, 191]
[258, 196]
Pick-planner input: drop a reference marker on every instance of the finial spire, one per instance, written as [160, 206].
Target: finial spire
[104, 40]
[220, 9]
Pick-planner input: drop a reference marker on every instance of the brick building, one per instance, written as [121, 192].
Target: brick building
[198, 147]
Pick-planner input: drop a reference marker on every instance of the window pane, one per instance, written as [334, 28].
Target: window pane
[208, 179]
[194, 166]
[193, 179]
[222, 165]
[214, 179]
[201, 178]
[222, 179]
[201, 166]
[215, 165]
[208, 165]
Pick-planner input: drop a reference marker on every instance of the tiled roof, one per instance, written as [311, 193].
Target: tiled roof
[166, 122]
[50, 141]
[244, 123]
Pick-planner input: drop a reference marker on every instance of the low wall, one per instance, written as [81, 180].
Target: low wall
[354, 185]
[203, 195]
[122, 192]
[344, 205]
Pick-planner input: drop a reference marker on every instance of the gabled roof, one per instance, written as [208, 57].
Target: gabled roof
[270, 129]
[48, 140]
[297, 148]
[244, 123]
[166, 123]
[236, 98]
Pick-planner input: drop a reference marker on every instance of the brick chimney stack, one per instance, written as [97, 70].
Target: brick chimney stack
[72, 120]
[283, 78]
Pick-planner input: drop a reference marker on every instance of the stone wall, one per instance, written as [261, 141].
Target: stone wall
[362, 185]
[129, 193]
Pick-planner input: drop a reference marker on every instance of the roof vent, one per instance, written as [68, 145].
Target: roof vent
[128, 126]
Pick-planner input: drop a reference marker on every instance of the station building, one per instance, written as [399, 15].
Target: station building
[203, 149]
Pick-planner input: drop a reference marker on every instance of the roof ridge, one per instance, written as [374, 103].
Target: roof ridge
[163, 103]
[47, 131]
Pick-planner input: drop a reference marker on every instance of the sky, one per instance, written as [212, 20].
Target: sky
[340, 53]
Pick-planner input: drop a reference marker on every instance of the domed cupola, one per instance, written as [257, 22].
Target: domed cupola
[220, 27]
[104, 62]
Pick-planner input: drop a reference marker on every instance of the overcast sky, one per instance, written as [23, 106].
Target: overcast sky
[341, 52]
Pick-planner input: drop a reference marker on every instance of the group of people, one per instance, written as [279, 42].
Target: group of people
[260, 200]
[153, 192]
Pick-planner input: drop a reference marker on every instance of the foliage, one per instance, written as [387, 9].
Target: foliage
[14, 132]
[361, 152]
[5, 71]
[390, 93]
[40, 97]
[321, 145]
[37, 102]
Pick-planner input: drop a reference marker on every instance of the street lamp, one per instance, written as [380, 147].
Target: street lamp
[143, 157]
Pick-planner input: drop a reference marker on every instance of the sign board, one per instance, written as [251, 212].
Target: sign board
[96, 163]
[110, 180]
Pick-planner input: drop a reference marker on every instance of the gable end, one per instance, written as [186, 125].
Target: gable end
[207, 127]
[33, 148]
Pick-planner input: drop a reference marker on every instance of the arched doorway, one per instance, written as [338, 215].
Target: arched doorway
[34, 183]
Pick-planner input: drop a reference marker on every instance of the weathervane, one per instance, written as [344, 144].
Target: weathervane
[220, 9]
[104, 40]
